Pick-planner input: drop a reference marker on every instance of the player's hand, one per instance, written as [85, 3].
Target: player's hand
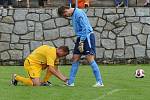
[66, 80]
[81, 45]
[46, 83]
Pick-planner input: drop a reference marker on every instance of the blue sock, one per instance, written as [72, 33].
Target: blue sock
[73, 72]
[96, 71]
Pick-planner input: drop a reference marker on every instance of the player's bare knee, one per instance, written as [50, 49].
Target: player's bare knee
[90, 58]
[76, 58]
[36, 82]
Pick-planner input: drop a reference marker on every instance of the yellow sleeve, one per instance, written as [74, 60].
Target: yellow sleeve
[51, 57]
[56, 62]
[50, 62]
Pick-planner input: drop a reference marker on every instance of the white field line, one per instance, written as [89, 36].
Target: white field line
[108, 93]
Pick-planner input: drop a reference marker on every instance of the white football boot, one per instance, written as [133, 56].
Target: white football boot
[13, 80]
[98, 84]
[70, 85]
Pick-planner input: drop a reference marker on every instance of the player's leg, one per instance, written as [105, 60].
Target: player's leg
[9, 2]
[36, 81]
[28, 81]
[117, 2]
[74, 69]
[41, 3]
[96, 70]
[17, 78]
[33, 71]
[25, 81]
[1, 4]
[126, 3]
[75, 63]
[90, 52]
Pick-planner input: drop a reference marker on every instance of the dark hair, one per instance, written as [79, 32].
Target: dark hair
[64, 48]
[61, 10]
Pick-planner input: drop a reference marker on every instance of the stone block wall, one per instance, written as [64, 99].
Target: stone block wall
[98, 3]
[122, 35]
[110, 3]
[93, 3]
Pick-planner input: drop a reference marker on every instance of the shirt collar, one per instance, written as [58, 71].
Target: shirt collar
[73, 11]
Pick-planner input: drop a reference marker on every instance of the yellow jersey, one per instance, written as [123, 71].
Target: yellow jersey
[44, 55]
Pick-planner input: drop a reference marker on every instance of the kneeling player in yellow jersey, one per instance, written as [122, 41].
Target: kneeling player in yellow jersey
[44, 57]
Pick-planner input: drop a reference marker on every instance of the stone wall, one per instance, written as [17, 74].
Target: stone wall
[110, 3]
[93, 3]
[122, 35]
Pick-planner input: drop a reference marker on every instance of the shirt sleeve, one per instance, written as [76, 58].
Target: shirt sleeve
[50, 62]
[57, 61]
[51, 57]
[84, 28]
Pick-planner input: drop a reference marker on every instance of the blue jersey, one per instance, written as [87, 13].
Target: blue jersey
[81, 24]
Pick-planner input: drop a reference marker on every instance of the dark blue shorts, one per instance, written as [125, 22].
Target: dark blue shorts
[87, 49]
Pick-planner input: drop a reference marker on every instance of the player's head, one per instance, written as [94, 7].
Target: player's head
[64, 11]
[62, 51]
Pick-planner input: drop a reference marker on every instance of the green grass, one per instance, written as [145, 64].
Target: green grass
[119, 81]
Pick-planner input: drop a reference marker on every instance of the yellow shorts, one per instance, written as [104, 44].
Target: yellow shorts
[33, 69]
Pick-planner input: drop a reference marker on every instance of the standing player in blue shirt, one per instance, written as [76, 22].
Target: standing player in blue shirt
[85, 43]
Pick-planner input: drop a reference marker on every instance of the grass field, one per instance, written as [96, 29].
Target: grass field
[119, 81]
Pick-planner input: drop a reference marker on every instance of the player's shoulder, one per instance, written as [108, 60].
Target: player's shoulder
[79, 10]
[51, 48]
[48, 46]
[80, 13]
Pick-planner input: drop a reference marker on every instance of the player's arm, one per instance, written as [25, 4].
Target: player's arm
[84, 33]
[57, 73]
[48, 74]
[84, 27]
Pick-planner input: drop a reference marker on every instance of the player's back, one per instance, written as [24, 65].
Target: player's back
[42, 54]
